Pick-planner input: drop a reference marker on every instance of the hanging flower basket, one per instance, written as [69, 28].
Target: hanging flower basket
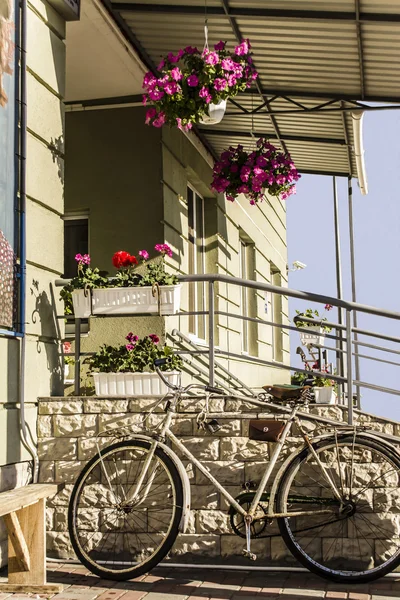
[215, 113]
[193, 84]
[264, 170]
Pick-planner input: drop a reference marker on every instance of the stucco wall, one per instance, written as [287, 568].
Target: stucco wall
[113, 171]
[44, 208]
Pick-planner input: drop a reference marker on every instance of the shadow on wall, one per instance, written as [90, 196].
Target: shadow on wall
[46, 311]
[57, 151]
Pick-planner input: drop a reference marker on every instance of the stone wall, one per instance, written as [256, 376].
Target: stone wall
[66, 432]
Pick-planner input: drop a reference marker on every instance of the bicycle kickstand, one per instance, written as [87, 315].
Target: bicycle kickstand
[247, 551]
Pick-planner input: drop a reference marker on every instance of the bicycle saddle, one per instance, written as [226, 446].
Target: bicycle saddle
[286, 393]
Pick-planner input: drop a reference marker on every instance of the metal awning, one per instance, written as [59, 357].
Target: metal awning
[318, 62]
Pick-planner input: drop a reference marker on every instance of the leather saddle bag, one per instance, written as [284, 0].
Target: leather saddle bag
[266, 430]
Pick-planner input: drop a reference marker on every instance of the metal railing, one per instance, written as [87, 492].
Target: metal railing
[344, 333]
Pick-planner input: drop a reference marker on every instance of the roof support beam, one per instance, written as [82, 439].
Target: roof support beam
[239, 37]
[360, 49]
[324, 15]
[293, 138]
[321, 95]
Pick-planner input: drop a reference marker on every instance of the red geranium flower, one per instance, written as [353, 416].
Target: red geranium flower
[123, 259]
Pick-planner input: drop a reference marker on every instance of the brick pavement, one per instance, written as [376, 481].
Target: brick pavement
[205, 584]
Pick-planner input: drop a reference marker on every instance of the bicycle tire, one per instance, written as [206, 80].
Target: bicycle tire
[122, 574]
[288, 533]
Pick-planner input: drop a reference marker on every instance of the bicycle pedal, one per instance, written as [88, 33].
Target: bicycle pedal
[249, 555]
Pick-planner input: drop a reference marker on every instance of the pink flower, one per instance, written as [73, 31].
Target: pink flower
[163, 249]
[130, 346]
[205, 94]
[161, 65]
[150, 114]
[143, 254]
[171, 88]
[220, 46]
[160, 120]
[191, 50]
[192, 80]
[328, 306]
[82, 259]
[220, 84]
[154, 338]
[148, 78]
[66, 347]
[245, 173]
[211, 58]
[261, 161]
[243, 48]
[280, 179]
[175, 59]
[230, 198]
[144, 99]
[256, 184]
[132, 339]
[243, 189]
[231, 80]
[220, 184]
[176, 74]
[156, 94]
[186, 127]
[228, 64]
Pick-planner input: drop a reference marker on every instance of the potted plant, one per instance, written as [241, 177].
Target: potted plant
[152, 290]
[255, 173]
[315, 333]
[128, 370]
[193, 86]
[77, 294]
[324, 390]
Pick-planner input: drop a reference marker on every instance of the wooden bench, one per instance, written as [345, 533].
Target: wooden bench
[24, 513]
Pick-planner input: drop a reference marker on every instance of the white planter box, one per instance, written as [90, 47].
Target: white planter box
[325, 395]
[81, 303]
[129, 300]
[134, 384]
[315, 335]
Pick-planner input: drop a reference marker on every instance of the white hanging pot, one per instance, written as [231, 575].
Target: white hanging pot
[215, 113]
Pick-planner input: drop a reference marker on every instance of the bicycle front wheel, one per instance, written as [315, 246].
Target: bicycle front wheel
[113, 536]
[356, 538]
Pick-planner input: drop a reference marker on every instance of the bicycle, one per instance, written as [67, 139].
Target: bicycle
[334, 498]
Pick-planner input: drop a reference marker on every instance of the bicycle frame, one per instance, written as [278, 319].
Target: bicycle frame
[165, 432]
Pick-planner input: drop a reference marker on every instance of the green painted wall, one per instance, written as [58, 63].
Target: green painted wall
[114, 171]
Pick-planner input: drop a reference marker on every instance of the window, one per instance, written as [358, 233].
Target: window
[276, 316]
[197, 293]
[76, 241]
[247, 295]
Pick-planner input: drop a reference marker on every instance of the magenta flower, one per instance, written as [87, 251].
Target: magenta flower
[132, 339]
[161, 65]
[160, 120]
[245, 173]
[191, 50]
[220, 46]
[156, 94]
[130, 346]
[186, 127]
[163, 249]
[150, 114]
[144, 99]
[261, 161]
[171, 88]
[243, 189]
[177, 58]
[328, 306]
[220, 84]
[243, 48]
[82, 259]
[232, 80]
[192, 80]
[154, 338]
[143, 254]
[230, 198]
[220, 184]
[176, 74]
[205, 94]
[228, 64]
[211, 58]
[148, 78]
[234, 168]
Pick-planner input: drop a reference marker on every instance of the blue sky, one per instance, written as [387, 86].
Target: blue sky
[377, 249]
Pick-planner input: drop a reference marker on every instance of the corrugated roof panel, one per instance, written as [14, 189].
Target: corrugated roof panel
[299, 53]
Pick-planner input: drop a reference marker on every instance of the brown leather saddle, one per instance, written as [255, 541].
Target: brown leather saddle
[286, 393]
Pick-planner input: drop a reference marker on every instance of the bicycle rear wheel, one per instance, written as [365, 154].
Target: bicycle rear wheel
[358, 539]
[119, 540]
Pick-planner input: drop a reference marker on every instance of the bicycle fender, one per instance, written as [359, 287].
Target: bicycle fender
[182, 472]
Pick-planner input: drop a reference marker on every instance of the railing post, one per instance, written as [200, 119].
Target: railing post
[77, 380]
[211, 323]
[349, 351]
